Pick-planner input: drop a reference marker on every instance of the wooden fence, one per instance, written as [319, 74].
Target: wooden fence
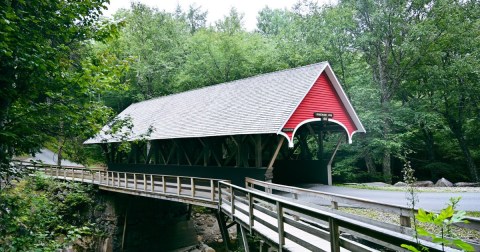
[290, 226]
[191, 190]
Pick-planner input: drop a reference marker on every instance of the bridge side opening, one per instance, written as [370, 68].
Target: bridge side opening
[315, 144]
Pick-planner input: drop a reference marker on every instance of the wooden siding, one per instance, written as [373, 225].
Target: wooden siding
[322, 97]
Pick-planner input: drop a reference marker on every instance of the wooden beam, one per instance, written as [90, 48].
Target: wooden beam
[258, 150]
[160, 152]
[150, 151]
[269, 171]
[329, 166]
[180, 147]
[172, 150]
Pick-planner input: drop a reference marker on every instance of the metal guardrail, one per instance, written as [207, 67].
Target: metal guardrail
[404, 213]
[192, 190]
[276, 219]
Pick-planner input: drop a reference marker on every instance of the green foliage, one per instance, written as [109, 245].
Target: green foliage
[40, 214]
[442, 221]
[50, 77]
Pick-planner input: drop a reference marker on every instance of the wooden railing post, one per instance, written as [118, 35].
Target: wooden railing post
[219, 195]
[192, 186]
[135, 181]
[250, 211]
[126, 179]
[281, 228]
[144, 182]
[164, 185]
[152, 183]
[405, 221]
[232, 196]
[334, 205]
[212, 190]
[106, 178]
[179, 186]
[334, 235]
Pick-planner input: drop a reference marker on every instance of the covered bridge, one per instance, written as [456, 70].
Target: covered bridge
[255, 127]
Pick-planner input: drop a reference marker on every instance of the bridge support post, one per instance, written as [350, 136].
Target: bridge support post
[244, 237]
[223, 229]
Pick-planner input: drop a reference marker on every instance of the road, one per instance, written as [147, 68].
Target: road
[427, 200]
[49, 157]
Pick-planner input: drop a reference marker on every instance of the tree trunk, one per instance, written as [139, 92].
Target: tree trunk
[429, 144]
[372, 170]
[466, 153]
[61, 142]
[59, 155]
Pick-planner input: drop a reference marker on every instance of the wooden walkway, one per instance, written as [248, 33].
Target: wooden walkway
[190, 190]
[283, 223]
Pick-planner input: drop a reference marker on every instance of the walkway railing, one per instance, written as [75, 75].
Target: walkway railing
[191, 190]
[403, 212]
[291, 226]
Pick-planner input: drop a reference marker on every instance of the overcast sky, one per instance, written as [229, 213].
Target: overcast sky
[217, 9]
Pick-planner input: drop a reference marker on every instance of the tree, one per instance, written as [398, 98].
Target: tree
[225, 54]
[390, 43]
[38, 58]
[154, 41]
[452, 93]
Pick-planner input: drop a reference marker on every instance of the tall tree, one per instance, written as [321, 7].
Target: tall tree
[37, 58]
[225, 53]
[452, 92]
[387, 37]
[155, 41]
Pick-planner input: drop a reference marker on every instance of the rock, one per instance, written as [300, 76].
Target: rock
[220, 240]
[443, 183]
[208, 249]
[426, 183]
[466, 184]
[197, 215]
[400, 184]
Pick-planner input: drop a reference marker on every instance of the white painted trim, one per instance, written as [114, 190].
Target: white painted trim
[290, 142]
[300, 101]
[343, 96]
[319, 120]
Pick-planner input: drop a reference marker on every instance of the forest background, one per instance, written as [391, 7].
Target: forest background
[410, 68]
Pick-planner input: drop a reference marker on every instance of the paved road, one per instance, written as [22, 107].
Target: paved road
[49, 157]
[426, 200]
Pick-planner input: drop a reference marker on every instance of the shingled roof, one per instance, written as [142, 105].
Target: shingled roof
[260, 104]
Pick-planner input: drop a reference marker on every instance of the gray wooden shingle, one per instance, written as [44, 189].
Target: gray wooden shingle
[255, 105]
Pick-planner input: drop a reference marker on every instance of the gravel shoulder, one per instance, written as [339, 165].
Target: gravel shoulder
[375, 186]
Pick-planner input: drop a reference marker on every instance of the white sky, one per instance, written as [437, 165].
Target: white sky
[217, 9]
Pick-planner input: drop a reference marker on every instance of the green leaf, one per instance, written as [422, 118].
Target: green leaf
[423, 232]
[463, 245]
[410, 247]
[422, 216]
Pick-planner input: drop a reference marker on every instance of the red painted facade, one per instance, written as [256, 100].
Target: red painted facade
[322, 97]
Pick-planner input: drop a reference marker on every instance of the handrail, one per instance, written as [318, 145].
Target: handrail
[404, 212]
[201, 191]
[284, 209]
